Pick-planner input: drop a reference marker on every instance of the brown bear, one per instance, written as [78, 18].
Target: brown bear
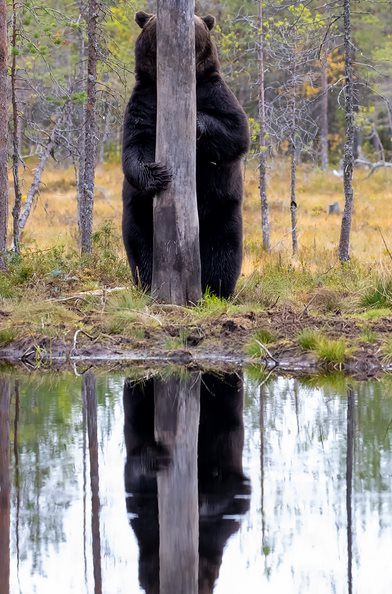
[222, 141]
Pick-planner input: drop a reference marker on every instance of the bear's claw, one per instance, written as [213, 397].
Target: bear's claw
[158, 177]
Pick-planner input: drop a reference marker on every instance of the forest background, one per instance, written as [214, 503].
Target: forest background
[295, 52]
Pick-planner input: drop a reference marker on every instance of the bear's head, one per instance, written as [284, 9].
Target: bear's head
[146, 45]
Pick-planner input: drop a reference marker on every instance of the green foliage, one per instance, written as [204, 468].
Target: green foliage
[368, 336]
[378, 295]
[261, 338]
[329, 350]
[61, 269]
[308, 339]
[387, 351]
[211, 305]
[332, 351]
[7, 335]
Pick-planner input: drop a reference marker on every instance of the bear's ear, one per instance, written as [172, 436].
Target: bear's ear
[142, 18]
[209, 21]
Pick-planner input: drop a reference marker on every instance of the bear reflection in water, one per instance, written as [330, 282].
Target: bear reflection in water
[223, 489]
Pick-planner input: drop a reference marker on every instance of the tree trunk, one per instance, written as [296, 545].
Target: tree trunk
[82, 138]
[16, 158]
[105, 133]
[3, 133]
[324, 114]
[4, 485]
[90, 402]
[293, 167]
[348, 160]
[293, 198]
[87, 195]
[265, 228]
[176, 274]
[177, 412]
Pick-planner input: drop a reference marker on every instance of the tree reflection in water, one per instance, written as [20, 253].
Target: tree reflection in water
[161, 424]
[4, 486]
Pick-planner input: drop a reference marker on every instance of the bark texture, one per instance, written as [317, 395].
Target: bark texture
[348, 160]
[3, 133]
[177, 413]
[265, 228]
[176, 266]
[324, 115]
[16, 158]
[293, 199]
[90, 142]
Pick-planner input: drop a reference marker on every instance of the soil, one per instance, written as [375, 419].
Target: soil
[221, 341]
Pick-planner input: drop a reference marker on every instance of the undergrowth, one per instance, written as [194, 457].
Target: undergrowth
[329, 350]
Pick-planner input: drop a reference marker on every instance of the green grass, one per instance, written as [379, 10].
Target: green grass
[7, 335]
[263, 337]
[126, 313]
[374, 314]
[211, 306]
[331, 351]
[378, 295]
[307, 339]
[60, 269]
[175, 343]
[387, 351]
[368, 336]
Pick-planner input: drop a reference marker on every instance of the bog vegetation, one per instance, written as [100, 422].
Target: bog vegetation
[295, 50]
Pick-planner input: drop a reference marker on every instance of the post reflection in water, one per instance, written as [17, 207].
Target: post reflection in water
[185, 488]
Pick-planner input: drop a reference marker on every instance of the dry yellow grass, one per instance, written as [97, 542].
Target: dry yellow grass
[319, 232]
[53, 219]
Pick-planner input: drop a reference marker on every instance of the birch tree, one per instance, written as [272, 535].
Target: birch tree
[176, 262]
[3, 133]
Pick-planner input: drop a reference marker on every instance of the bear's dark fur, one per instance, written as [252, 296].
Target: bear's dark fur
[222, 139]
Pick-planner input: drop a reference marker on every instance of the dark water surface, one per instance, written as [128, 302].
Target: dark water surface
[189, 483]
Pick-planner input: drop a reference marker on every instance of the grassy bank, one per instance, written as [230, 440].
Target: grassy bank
[311, 303]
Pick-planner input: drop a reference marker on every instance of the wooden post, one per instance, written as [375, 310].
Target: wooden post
[177, 413]
[176, 276]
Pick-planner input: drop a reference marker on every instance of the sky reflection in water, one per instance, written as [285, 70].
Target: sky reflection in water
[267, 505]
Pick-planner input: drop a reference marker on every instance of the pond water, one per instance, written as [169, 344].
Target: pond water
[189, 483]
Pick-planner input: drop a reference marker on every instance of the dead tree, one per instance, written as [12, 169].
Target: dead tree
[265, 228]
[348, 160]
[176, 274]
[3, 133]
[90, 139]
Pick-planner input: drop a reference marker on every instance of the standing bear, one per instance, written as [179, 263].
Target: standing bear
[222, 140]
